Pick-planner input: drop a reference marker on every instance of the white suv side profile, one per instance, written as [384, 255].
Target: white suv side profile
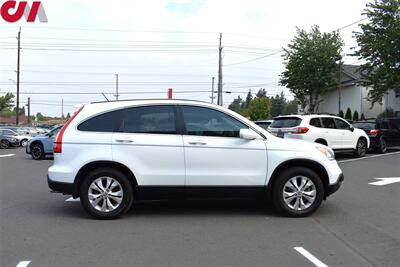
[112, 153]
[328, 130]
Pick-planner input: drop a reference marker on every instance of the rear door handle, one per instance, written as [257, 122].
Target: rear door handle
[124, 141]
[198, 143]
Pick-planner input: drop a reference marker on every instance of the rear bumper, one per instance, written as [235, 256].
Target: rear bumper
[332, 188]
[65, 188]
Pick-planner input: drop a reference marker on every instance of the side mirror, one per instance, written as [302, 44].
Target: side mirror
[248, 134]
[351, 128]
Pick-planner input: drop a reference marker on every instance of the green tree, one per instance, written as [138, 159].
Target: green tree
[379, 45]
[6, 102]
[355, 116]
[68, 116]
[39, 116]
[236, 104]
[362, 117]
[246, 103]
[262, 93]
[259, 108]
[291, 107]
[348, 114]
[387, 113]
[312, 65]
[278, 105]
[341, 114]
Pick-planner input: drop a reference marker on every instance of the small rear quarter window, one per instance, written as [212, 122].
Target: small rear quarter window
[106, 122]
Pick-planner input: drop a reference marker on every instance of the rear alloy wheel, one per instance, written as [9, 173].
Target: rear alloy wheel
[361, 149]
[24, 142]
[382, 147]
[37, 152]
[4, 144]
[106, 193]
[298, 192]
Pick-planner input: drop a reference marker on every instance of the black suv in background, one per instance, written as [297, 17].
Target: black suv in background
[383, 133]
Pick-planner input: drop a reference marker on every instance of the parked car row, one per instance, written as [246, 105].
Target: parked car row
[337, 133]
[40, 146]
[8, 141]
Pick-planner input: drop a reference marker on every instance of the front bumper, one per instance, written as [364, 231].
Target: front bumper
[332, 188]
[65, 188]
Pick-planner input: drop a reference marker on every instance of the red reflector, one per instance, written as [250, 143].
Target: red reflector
[299, 130]
[58, 143]
[374, 132]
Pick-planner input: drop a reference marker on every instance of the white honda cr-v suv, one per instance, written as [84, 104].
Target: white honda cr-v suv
[112, 153]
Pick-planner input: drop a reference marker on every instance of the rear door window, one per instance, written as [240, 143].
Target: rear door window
[286, 122]
[106, 122]
[316, 122]
[328, 123]
[150, 120]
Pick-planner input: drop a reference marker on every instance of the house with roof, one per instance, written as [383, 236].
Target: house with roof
[354, 96]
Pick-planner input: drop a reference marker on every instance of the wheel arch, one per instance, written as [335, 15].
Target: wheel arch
[83, 171]
[310, 164]
[321, 141]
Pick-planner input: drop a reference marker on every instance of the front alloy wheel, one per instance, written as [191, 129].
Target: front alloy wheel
[297, 192]
[37, 152]
[361, 149]
[24, 142]
[4, 144]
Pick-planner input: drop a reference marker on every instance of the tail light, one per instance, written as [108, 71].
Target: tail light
[58, 143]
[299, 130]
[374, 132]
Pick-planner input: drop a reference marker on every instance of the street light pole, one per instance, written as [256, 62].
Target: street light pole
[18, 61]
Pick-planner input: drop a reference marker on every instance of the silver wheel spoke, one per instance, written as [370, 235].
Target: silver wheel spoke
[299, 193]
[101, 195]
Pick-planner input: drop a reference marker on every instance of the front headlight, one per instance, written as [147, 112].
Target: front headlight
[327, 152]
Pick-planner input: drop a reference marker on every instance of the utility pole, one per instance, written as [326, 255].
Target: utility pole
[219, 99]
[340, 88]
[116, 87]
[62, 108]
[18, 60]
[212, 91]
[29, 110]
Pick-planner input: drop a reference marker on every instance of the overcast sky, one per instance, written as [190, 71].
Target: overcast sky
[155, 44]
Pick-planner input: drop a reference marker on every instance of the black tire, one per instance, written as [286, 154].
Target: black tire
[361, 148]
[278, 192]
[23, 142]
[37, 151]
[4, 144]
[127, 198]
[382, 146]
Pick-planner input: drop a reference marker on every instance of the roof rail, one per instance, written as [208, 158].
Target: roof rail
[143, 99]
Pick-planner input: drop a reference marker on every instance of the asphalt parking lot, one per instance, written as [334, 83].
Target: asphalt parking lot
[357, 226]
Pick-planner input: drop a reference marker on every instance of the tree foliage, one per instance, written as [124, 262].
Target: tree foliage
[6, 102]
[341, 114]
[312, 65]
[379, 45]
[355, 116]
[348, 114]
[259, 109]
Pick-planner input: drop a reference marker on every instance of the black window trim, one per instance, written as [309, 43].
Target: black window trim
[183, 127]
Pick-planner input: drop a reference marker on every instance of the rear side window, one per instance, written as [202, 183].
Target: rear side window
[106, 122]
[287, 122]
[150, 120]
[316, 122]
[328, 123]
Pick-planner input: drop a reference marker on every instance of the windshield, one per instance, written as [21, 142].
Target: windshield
[286, 122]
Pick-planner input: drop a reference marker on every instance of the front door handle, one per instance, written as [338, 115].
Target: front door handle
[198, 143]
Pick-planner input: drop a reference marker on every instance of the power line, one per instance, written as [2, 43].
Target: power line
[253, 59]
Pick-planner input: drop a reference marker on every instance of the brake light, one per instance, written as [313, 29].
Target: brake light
[299, 130]
[374, 132]
[58, 143]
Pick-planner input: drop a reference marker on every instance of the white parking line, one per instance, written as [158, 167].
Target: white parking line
[310, 257]
[7, 155]
[71, 199]
[23, 263]
[373, 156]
